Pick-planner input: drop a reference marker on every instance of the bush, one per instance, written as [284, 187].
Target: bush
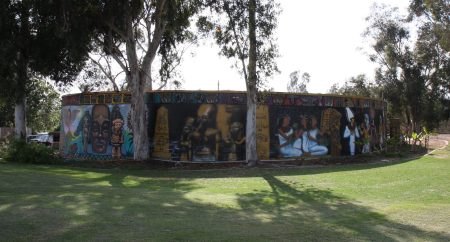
[21, 151]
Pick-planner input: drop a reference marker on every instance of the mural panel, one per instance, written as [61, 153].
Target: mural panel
[97, 131]
[200, 132]
[318, 131]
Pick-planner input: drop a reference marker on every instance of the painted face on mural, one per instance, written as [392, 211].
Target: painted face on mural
[100, 128]
[285, 121]
[313, 122]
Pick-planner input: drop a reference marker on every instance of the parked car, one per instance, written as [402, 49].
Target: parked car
[48, 139]
[51, 139]
[31, 137]
[39, 138]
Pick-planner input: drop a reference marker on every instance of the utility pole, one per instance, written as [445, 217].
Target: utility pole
[218, 85]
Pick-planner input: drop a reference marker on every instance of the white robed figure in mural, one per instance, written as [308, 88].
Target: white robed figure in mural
[285, 136]
[310, 140]
[351, 131]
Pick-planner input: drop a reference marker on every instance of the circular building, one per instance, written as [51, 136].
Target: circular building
[209, 126]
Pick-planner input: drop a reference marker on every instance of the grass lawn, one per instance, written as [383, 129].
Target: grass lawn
[405, 201]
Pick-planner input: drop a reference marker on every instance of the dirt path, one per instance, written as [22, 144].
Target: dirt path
[438, 141]
[437, 144]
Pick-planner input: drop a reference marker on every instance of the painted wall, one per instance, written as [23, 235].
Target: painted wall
[101, 130]
[210, 126]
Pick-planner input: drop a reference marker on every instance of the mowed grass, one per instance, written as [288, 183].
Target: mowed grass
[403, 201]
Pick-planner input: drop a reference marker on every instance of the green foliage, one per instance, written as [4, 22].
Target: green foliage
[412, 75]
[36, 40]
[357, 86]
[43, 106]
[21, 151]
[228, 23]
[436, 13]
[298, 82]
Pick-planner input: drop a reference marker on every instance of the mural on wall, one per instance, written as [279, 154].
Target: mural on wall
[312, 131]
[297, 132]
[97, 131]
[210, 126]
[201, 132]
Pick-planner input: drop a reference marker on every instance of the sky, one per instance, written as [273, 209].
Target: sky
[321, 37]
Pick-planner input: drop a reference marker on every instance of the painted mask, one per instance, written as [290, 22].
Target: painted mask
[100, 128]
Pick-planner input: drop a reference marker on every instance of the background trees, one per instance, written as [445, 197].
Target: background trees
[298, 82]
[357, 86]
[36, 40]
[43, 106]
[413, 73]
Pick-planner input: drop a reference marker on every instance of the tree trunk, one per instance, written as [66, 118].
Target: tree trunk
[251, 152]
[139, 117]
[20, 97]
[21, 76]
[20, 119]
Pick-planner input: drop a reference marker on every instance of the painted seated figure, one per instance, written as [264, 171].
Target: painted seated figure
[205, 137]
[185, 140]
[286, 136]
[236, 141]
[311, 145]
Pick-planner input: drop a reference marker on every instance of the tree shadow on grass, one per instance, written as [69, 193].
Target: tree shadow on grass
[79, 205]
[229, 172]
[318, 214]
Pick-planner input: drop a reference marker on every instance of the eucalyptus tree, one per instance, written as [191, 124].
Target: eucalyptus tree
[133, 33]
[414, 73]
[244, 30]
[35, 40]
[436, 13]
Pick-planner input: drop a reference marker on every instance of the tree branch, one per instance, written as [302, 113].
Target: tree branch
[160, 27]
[238, 46]
[106, 72]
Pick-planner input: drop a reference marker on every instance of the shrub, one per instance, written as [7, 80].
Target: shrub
[21, 151]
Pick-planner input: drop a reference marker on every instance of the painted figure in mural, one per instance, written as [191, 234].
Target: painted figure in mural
[311, 144]
[351, 131]
[116, 136]
[205, 138]
[69, 119]
[365, 134]
[300, 128]
[381, 133]
[285, 136]
[236, 140]
[86, 130]
[374, 141]
[100, 128]
[185, 139]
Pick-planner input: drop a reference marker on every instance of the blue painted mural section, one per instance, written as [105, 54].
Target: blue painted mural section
[99, 131]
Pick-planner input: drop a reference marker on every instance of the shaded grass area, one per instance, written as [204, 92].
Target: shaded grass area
[405, 201]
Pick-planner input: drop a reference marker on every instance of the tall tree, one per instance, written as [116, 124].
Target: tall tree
[244, 30]
[413, 75]
[35, 40]
[133, 33]
[436, 13]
